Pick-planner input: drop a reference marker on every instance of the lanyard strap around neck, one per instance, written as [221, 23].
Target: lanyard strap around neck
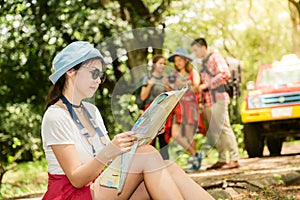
[78, 122]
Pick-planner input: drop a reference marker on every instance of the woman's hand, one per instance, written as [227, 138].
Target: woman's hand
[151, 81]
[145, 92]
[181, 82]
[202, 87]
[167, 84]
[121, 143]
[124, 141]
[165, 81]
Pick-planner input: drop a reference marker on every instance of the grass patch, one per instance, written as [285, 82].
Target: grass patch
[273, 193]
[26, 179]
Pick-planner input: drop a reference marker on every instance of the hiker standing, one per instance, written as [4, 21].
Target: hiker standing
[186, 113]
[153, 85]
[214, 74]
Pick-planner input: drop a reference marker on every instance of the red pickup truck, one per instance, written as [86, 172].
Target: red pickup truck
[271, 109]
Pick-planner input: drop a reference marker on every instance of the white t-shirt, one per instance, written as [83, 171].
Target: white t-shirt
[58, 127]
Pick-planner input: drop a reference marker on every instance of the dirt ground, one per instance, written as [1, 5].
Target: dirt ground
[267, 178]
[257, 178]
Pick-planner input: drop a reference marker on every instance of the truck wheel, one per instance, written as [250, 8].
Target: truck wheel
[274, 145]
[254, 142]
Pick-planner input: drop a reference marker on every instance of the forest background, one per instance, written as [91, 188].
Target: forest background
[128, 33]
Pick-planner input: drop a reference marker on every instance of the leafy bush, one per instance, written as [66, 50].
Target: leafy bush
[26, 180]
[125, 112]
[238, 131]
[19, 135]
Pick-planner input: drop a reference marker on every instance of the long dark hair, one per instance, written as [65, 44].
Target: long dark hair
[56, 90]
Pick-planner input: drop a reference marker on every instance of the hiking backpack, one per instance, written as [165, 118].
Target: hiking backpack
[235, 81]
[233, 84]
[137, 92]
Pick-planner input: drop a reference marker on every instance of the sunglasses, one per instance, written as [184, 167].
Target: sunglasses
[97, 73]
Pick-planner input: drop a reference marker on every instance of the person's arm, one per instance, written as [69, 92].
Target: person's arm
[166, 84]
[222, 72]
[146, 89]
[81, 174]
[196, 81]
[203, 87]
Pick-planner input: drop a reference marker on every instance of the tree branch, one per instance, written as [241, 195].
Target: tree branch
[160, 9]
[296, 4]
[135, 6]
[249, 13]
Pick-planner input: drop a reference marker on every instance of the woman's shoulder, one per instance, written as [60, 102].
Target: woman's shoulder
[55, 110]
[54, 113]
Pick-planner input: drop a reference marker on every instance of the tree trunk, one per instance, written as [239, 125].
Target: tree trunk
[297, 6]
[2, 172]
[295, 18]
[143, 34]
[137, 48]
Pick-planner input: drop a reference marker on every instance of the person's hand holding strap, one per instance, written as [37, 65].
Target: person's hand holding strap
[203, 87]
[121, 143]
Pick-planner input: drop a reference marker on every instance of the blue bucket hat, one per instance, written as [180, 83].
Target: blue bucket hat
[180, 52]
[73, 54]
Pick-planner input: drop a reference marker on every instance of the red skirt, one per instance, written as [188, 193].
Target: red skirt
[187, 112]
[187, 109]
[60, 188]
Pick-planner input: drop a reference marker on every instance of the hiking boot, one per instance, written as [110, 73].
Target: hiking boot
[194, 163]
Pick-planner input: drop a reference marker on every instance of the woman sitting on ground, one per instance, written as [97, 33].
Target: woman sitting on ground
[78, 148]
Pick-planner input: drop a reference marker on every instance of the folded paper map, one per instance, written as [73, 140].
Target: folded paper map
[146, 127]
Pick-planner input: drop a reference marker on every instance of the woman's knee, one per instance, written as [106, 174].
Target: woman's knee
[169, 163]
[147, 159]
[146, 149]
[173, 168]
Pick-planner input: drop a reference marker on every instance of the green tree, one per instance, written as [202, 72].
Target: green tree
[294, 7]
[248, 30]
[33, 31]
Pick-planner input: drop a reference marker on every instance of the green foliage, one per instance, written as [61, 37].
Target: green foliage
[270, 193]
[177, 153]
[32, 32]
[19, 134]
[249, 30]
[27, 178]
[234, 111]
[239, 134]
[125, 112]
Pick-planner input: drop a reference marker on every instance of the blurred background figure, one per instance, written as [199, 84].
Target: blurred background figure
[214, 74]
[186, 115]
[154, 84]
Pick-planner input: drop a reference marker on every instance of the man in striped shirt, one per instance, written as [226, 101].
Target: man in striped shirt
[214, 74]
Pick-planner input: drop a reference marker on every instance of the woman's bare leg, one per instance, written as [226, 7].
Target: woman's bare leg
[177, 135]
[189, 189]
[147, 166]
[189, 132]
[141, 193]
